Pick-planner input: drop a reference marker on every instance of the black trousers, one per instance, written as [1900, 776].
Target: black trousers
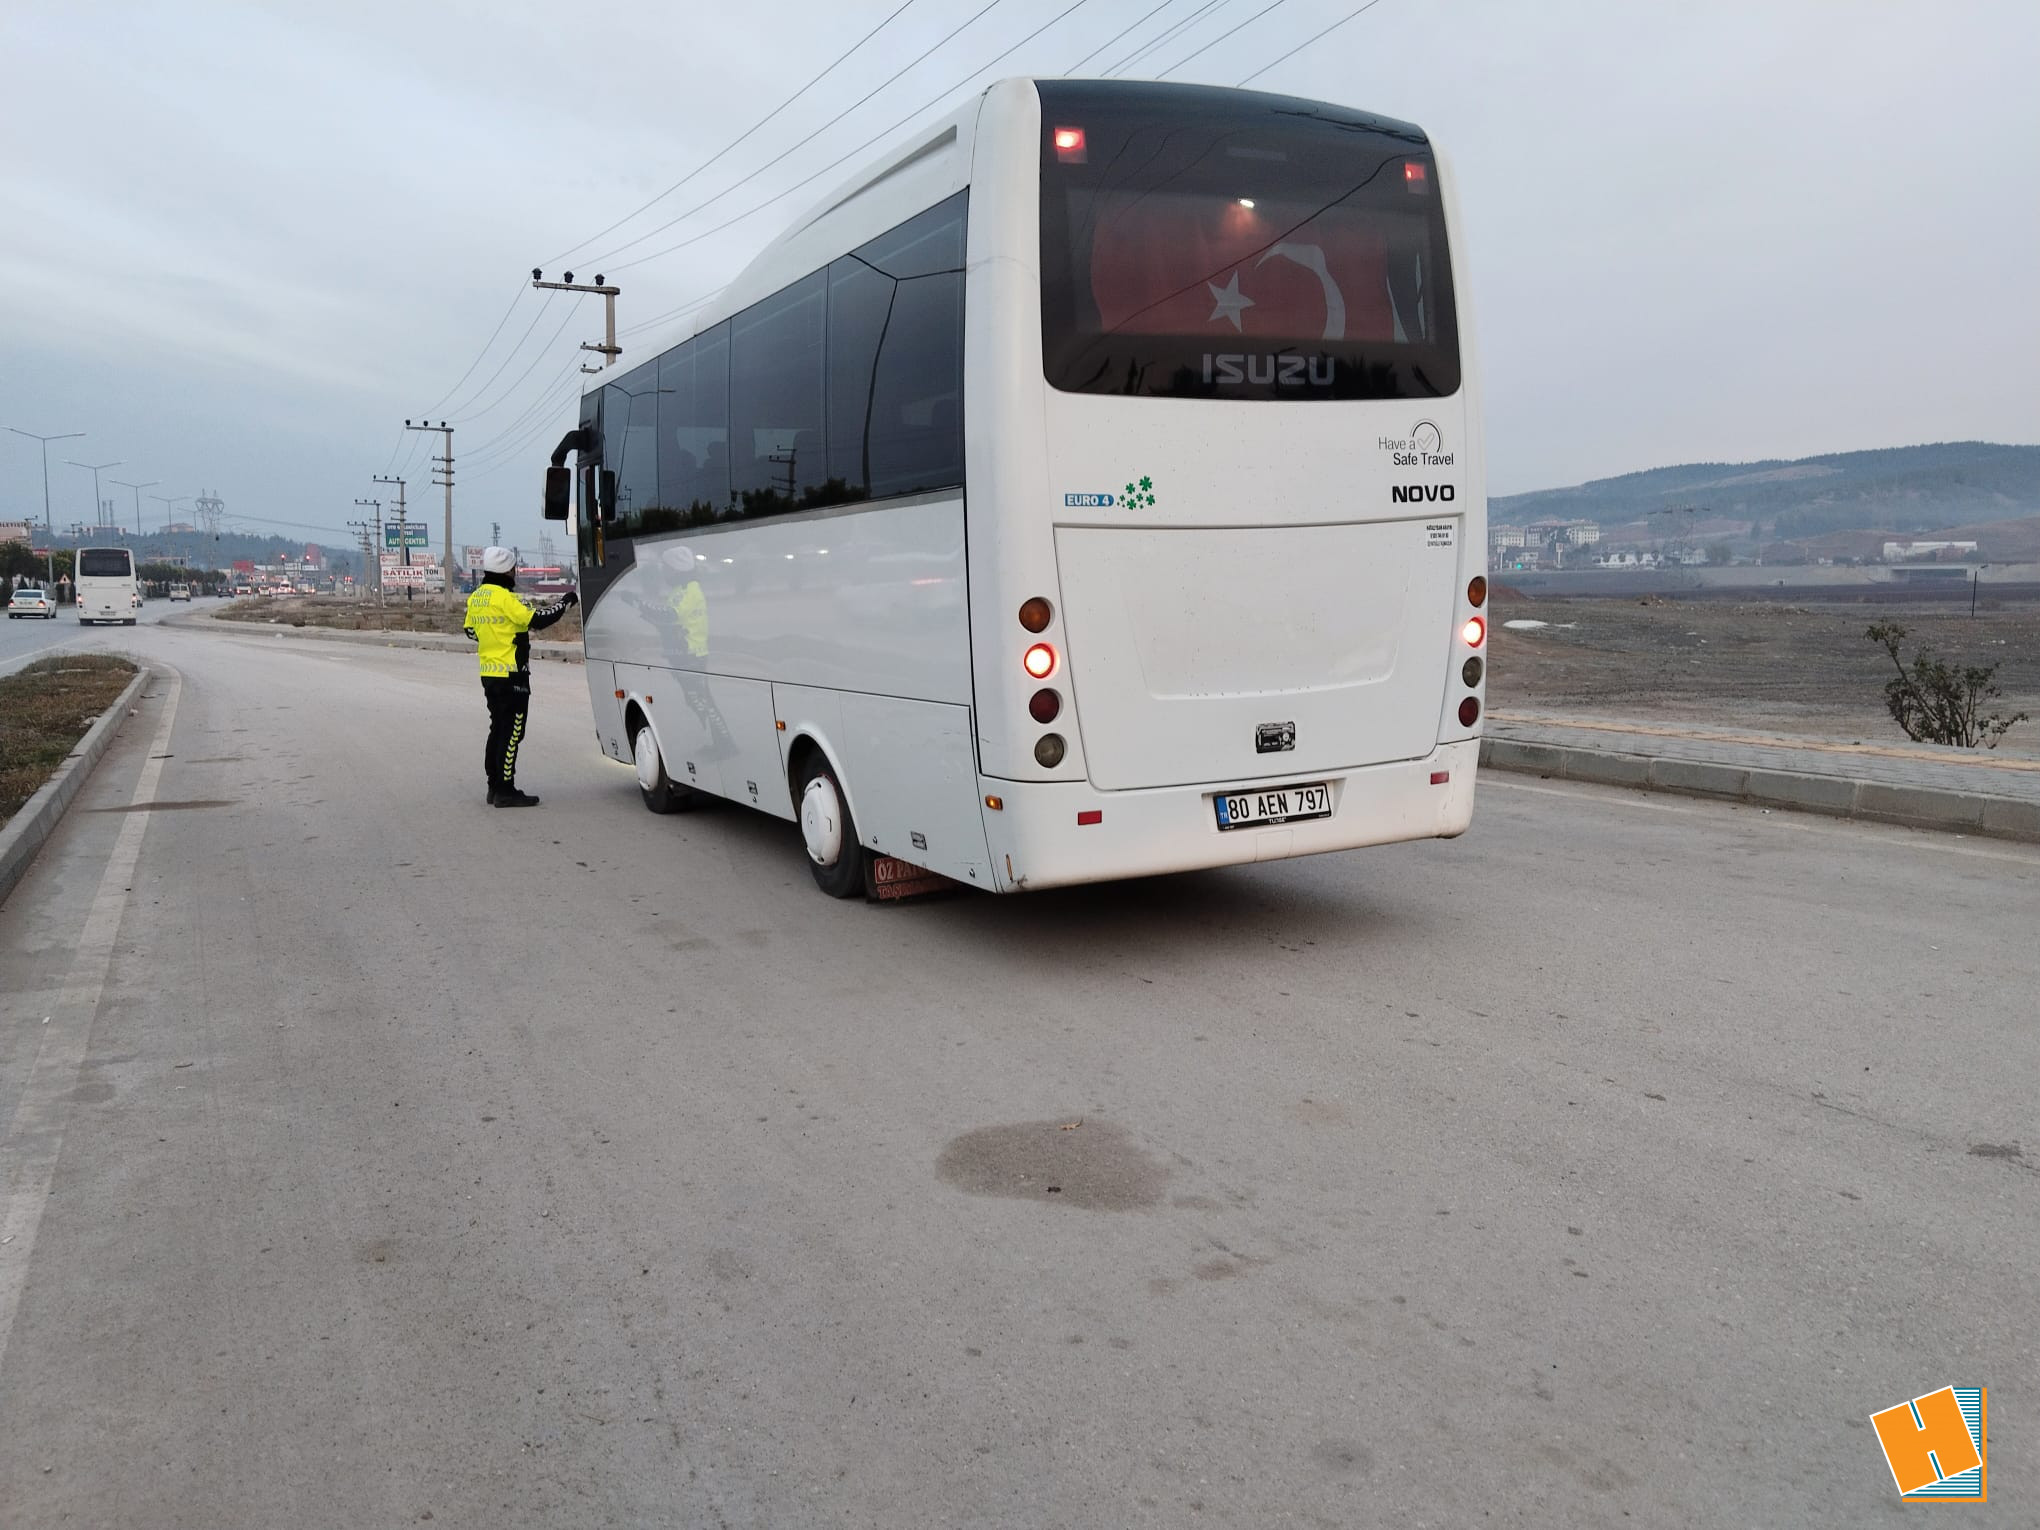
[509, 701]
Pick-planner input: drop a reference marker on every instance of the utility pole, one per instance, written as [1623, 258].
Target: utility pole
[403, 522]
[495, 533]
[99, 505]
[361, 537]
[376, 505]
[608, 349]
[49, 526]
[442, 474]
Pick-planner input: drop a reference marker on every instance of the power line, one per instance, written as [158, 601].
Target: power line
[833, 164]
[1113, 39]
[511, 355]
[502, 448]
[610, 258]
[1163, 36]
[733, 143]
[1370, 5]
[537, 356]
[515, 298]
[1275, 5]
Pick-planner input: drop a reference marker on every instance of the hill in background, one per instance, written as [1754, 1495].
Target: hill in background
[1973, 490]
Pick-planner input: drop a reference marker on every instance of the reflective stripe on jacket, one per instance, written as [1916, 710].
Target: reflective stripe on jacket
[498, 620]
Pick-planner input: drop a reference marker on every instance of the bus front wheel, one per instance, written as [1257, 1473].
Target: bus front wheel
[660, 793]
[834, 855]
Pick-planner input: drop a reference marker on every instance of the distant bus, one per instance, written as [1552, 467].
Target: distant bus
[106, 586]
[1091, 489]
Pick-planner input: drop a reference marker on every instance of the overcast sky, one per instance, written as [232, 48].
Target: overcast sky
[240, 243]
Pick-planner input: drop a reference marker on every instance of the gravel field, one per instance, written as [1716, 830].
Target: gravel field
[1801, 668]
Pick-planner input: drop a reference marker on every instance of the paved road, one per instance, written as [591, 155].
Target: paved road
[386, 1156]
[23, 639]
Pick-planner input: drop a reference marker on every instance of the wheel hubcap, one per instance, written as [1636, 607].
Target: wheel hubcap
[644, 751]
[821, 821]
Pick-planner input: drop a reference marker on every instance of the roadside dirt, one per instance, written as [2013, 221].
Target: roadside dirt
[423, 614]
[1805, 668]
[45, 708]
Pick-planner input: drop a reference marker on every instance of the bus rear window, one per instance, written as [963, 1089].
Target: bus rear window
[105, 563]
[1213, 244]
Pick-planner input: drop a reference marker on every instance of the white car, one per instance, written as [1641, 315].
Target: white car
[180, 592]
[32, 603]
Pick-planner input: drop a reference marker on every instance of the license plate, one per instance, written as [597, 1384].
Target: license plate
[1285, 804]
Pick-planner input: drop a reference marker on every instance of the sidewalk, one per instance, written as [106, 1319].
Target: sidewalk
[1967, 791]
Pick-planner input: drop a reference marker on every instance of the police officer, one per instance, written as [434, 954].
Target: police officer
[502, 625]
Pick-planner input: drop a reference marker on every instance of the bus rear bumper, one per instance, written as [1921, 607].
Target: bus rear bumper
[1038, 839]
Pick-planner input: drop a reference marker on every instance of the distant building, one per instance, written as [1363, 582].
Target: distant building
[1505, 536]
[1582, 533]
[15, 531]
[1906, 552]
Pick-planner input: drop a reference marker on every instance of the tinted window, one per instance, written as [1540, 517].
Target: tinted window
[105, 563]
[1221, 244]
[896, 358]
[694, 427]
[630, 449]
[778, 449]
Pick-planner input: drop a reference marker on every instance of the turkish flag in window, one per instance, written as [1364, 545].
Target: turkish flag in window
[1216, 267]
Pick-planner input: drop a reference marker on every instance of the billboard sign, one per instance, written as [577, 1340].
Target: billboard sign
[400, 535]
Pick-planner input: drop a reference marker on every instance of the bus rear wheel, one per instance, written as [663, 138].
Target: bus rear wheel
[834, 855]
[659, 791]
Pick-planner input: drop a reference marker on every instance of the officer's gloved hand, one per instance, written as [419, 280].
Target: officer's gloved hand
[571, 598]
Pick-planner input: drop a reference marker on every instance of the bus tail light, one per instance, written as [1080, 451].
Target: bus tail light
[1090, 816]
[1069, 145]
[1043, 706]
[1416, 175]
[1469, 712]
[1036, 614]
[1476, 590]
[1470, 671]
[1048, 751]
[1474, 632]
[1039, 661]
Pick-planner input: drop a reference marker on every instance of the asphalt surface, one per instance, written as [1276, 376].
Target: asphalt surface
[23, 638]
[385, 1156]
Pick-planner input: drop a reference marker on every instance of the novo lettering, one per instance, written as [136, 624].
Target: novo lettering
[1420, 493]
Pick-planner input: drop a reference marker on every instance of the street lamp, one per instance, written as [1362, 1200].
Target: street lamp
[49, 526]
[95, 469]
[168, 504]
[137, 487]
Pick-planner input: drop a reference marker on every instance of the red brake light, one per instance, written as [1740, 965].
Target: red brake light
[1474, 631]
[1416, 176]
[1069, 145]
[1039, 661]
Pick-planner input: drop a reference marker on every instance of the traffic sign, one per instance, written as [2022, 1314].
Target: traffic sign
[411, 536]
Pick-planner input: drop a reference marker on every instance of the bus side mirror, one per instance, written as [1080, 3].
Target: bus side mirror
[608, 495]
[559, 489]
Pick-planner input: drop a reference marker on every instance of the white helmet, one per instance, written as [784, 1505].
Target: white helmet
[498, 560]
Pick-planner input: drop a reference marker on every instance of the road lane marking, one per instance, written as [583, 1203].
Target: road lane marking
[1939, 841]
[35, 1136]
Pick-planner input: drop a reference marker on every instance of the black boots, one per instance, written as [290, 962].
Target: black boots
[510, 796]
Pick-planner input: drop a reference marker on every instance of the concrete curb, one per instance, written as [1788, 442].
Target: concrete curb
[442, 642]
[1916, 807]
[28, 830]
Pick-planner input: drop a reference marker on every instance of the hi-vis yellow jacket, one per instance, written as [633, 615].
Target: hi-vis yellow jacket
[498, 621]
